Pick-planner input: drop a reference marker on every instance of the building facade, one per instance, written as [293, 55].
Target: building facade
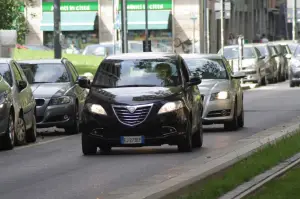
[170, 22]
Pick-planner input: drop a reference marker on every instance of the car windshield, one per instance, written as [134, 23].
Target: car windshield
[45, 73]
[207, 68]
[6, 73]
[134, 73]
[233, 53]
[263, 50]
[293, 47]
[297, 52]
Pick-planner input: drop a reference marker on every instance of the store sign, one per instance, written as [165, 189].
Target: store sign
[71, 6]
[152, 5]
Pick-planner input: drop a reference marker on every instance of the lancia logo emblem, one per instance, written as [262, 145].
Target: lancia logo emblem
[131, 109]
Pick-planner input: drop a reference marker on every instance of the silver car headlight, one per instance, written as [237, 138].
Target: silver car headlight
[222, 95]
[60, 100]
[96, 109]
[170, 106]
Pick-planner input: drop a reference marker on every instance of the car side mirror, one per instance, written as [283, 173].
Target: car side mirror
[194, 81]
[84, 82]
[288, 56]
[22, 84]
[238, 75]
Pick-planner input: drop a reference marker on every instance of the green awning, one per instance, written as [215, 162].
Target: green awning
[70, 21]
[157, 19]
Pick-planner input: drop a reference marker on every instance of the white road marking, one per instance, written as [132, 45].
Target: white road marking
[41, 143]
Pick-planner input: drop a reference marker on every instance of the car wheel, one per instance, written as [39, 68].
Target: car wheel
[31, 133]
[8, 140]
[292, 84]
[20, 134]
[88, 147]
[185, 144]
[241, 117]
[198, 137]
[74, 129]
[232, 125]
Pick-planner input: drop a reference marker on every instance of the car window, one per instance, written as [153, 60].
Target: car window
[138, 72]
[274, 50]
[16, 72]
[5, 72]
[297, 52]
[293, 47]
[263, 50]
[207, 68]
[233, 53]
[73, 71]
[45, 72]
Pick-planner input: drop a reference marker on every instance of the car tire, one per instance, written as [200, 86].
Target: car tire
[197, 140]
[8, 140]
[241, 117]
[31, 133]
[74, 129]
[88, 147]
[292, 84]
[20, 133]
[185, 144]
[232, 125]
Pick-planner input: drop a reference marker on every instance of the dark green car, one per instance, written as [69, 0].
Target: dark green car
[17, 106]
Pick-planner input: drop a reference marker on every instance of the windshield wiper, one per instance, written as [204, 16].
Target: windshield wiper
[137, 85]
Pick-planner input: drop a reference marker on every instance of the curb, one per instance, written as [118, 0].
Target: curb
[199, 168]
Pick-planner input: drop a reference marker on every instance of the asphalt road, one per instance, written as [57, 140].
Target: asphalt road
[55, 168]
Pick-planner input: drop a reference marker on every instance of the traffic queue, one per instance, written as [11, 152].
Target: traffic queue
[138, 99]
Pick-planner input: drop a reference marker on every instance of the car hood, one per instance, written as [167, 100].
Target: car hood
[209, 86]
[48, 90]
[134, 95]
[246, 63]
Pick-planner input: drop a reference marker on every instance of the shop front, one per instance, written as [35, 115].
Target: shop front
[78, 23]
[159, 24]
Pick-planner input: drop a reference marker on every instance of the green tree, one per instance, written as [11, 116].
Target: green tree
[12, 17]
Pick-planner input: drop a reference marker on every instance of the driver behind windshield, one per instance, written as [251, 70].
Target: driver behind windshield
[164, 72]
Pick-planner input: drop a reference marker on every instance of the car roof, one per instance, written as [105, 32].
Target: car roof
[41, 61]
[5, 60]
[209, 56]
[142, 55]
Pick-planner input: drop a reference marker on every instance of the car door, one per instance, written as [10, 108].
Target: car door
[24, 96]
[193, 96]
[78, 91]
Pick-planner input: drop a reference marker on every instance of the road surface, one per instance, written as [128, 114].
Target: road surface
[55, 167]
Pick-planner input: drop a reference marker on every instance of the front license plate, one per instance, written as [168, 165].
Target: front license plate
[132, 140]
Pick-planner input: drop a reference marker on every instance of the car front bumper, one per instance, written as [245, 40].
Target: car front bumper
[217, 111]
[251, 75]
[60, 116]
[168, 128]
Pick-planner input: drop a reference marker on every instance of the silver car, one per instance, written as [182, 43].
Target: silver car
[221, 90]
[253, 63]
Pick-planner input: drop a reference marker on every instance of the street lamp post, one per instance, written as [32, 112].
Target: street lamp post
[194, 18]
[57, 36]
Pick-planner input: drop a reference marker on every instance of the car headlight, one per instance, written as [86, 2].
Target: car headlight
[60, 100]
[170, 106]
[220, 96]
[96, 108]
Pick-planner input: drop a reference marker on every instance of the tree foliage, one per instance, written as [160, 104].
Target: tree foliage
[12, 17]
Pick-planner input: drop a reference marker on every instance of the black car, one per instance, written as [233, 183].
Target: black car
[142, 99]
[17, 106]
[59, 98]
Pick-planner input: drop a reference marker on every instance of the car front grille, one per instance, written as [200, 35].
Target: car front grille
[39, 102]
[132, 115]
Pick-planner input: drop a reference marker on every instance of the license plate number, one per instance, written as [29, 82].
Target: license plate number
[132, 140]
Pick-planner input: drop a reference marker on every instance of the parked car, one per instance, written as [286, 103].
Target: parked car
[253, 63]
[103, 49]
[271, 64]
[17, 106]
[278, 53]
[142, 99]
[59, 98]
[221, 90]
[291, 44]
[294, 68]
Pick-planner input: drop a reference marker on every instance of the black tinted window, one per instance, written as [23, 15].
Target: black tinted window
[5, 72]
[233, 53]
[45, 73]
[207, 68]
[151, 72]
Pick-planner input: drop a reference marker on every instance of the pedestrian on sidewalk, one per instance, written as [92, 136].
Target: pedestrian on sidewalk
[231, 39]
[264, 39]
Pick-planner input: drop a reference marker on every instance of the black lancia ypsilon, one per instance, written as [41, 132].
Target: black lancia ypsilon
[142, 99]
